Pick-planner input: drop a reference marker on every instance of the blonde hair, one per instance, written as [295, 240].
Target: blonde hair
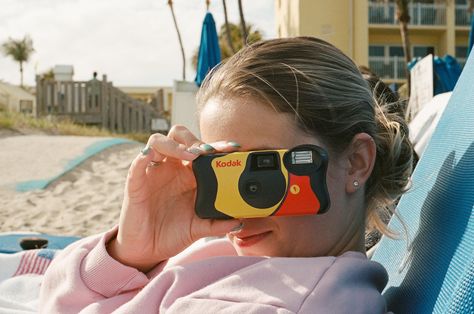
[324, 90]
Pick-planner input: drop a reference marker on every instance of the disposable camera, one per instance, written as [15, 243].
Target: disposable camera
[262, 183]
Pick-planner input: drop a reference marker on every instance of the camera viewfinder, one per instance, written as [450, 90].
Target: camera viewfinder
[266, 161]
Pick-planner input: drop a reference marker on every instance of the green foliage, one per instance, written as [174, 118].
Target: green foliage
[236, 37]
[47, 75]
[20, 50]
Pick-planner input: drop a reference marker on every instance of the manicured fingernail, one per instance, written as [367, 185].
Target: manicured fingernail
[207, 147]
[194, 151]
[234, 144]
[145, 151]
[237, 228]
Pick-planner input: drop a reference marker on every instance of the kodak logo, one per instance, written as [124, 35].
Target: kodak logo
[230, 163]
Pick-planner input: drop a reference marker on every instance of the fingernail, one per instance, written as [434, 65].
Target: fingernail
[194, 151]
[207, 147]
[234, 144]
[237, 229]
[145, 151]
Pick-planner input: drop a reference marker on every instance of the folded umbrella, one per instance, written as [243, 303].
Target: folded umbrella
[209, 51]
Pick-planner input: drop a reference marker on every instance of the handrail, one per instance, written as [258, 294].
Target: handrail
[93, 102]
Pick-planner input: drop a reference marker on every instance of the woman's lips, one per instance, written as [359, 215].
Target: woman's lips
[245, 241]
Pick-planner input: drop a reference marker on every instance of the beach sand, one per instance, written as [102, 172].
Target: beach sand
[82, 202]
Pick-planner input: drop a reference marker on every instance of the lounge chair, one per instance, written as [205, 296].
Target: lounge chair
[432, 271]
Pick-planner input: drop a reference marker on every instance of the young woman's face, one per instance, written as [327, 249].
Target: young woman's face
[257, 126]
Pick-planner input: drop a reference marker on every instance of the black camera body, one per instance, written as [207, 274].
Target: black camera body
[262, 183]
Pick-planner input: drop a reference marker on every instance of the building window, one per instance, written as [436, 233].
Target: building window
[461, 52]
[387, 61]
[385, 51]
[462, 14]
[461, 55]
[395, 51]
[422, 51]
[26, 106]
[376, 51]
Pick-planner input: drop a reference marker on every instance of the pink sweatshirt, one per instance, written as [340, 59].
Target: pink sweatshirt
[210, 278]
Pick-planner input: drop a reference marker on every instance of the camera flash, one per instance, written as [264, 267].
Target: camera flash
[302, 157]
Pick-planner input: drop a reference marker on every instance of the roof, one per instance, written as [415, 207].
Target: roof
[142, 89]
[9, 89]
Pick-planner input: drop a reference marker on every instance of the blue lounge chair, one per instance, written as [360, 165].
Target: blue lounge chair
[10, 242]
[433, 270]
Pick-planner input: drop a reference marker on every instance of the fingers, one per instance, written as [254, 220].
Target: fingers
[137, 171]
[180, 140]
[225, 146]
[164, 146]
[182, 135]
[182, 144]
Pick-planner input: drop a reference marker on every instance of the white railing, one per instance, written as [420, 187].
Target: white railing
[463, 16]
[388, 67]
[420, 13]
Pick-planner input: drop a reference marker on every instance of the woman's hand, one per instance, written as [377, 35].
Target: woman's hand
[157, 220]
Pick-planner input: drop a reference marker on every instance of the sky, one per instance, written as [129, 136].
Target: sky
[134, 42]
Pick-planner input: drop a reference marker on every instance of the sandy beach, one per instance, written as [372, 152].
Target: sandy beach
[83, 201]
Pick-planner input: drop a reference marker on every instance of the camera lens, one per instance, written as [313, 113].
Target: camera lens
[266, 161]
[252, 187]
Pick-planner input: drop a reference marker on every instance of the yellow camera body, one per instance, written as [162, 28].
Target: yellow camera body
[262, 183]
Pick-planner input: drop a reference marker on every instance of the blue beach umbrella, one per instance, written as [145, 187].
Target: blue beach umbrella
[471, 35]
[209, 51]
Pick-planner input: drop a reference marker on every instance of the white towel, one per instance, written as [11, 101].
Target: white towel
[21, 275]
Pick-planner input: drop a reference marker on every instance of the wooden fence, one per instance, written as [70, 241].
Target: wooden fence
[93, 102]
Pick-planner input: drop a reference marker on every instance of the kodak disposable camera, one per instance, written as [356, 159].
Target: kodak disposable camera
[262, 183]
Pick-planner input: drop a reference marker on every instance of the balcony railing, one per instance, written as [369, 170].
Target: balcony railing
[463, 16]
[420, 13]
[388, 67]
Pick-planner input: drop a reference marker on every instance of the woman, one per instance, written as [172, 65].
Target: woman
[274, 94]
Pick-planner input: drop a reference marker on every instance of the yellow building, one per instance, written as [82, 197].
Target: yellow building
[160, 97]
[367, 31]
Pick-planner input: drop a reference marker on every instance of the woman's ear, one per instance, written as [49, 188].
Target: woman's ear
[361, 155]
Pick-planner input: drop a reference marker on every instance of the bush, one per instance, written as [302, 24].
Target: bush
[58, 126]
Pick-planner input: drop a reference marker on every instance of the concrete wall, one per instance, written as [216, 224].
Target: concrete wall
[343, 23]
[184, 109]
[287, 18]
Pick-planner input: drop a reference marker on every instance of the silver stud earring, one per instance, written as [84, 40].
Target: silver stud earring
[356, 184]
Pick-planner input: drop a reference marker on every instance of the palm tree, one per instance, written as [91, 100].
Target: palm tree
[170, 3]
[242, 24]
[403, 18]
[402, 15]
[227, 28]
[47, 75]
[20, 50]
[237, 37]
[235, 33]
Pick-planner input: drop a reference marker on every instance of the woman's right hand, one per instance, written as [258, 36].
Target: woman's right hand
[157, 220]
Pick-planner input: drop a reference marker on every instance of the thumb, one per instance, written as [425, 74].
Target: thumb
[221, 227]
